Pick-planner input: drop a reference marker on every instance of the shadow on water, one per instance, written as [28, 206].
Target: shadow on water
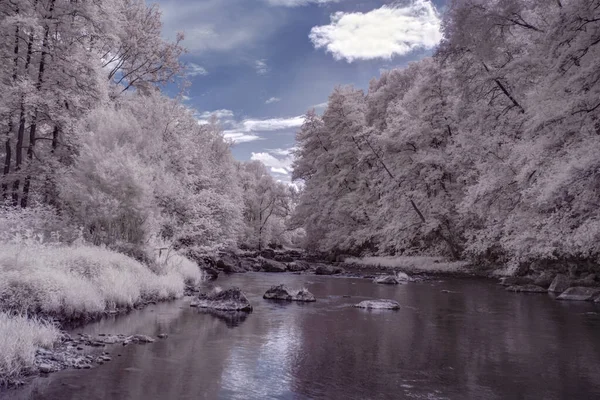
[231, 318]
[452, 339]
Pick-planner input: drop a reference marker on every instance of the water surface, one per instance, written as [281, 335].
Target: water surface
[452, 339]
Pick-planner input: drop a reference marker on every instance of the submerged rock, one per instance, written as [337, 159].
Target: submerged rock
[379, 304]
[273, 266]
[328, 270]
[559, 284]
[580, 294]
[386, 280]
[282, 292]
[232, 299]
[526, 289]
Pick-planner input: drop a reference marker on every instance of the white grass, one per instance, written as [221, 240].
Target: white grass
[79, 281]
[412, 264]
[19, 339]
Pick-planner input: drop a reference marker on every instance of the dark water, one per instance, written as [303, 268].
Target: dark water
[477, 342]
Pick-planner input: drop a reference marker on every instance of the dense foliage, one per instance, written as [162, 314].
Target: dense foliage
[486, 150]
[88, 137]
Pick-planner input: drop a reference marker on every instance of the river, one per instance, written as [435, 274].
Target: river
[452, 339]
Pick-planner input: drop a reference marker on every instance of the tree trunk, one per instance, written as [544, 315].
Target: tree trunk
[7, 144]
[33, 128]
[21, 131]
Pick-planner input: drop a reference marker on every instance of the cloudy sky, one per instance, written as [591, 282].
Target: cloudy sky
[259, 65]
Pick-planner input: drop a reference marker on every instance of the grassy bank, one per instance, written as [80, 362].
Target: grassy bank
[77, 282]
[415, 265]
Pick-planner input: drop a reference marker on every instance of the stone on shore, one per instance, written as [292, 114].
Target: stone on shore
[559, 284]
[232, 299]
[580, 294]
[386, 280]
[379, 304]
[298, 266]
[273, 266]
[328, 270]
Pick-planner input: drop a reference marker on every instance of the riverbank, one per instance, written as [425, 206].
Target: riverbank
[45, 287]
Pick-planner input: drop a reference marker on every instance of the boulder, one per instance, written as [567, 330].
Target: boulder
[212, 273]
[379, 304]
[232, 299]
[526, 289]
[544, 279]
[386, 280]
[273, 266]
[247, 264]
[580, 294]
[282, 292]
[230, 264]
[298, 266]
[328, 270]
[559, 284]
[283, 258]
[45, 368]
[587, 280]
[268, 253]
[403, 277]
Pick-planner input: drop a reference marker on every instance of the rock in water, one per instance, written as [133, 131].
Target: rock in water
[282, 292]
[559, 284]
[304, 295]
[232, 299]
[526, 289]
[273, 266]
[379, 304]
[579, 294]
[328, 270]
[386, 280]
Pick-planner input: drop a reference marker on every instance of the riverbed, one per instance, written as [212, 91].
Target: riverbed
[452, 339]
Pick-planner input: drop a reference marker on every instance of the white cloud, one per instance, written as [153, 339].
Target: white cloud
[296, 3]
[380, 33]
[240, 137]
[273, 100]
[273, 124]
[261, 67]
[248, 129]
[320, 105]
[282, 152]
[220, 114]
[278, 165]
[195, 70]
[281, 171]
[224, 116]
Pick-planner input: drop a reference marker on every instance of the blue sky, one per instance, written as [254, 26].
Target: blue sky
[259, 65]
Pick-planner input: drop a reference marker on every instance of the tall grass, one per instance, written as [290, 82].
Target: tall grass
[79, 281]
[19, 338]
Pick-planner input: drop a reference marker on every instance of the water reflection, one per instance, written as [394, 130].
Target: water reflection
[450, 340]
[231, 318]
